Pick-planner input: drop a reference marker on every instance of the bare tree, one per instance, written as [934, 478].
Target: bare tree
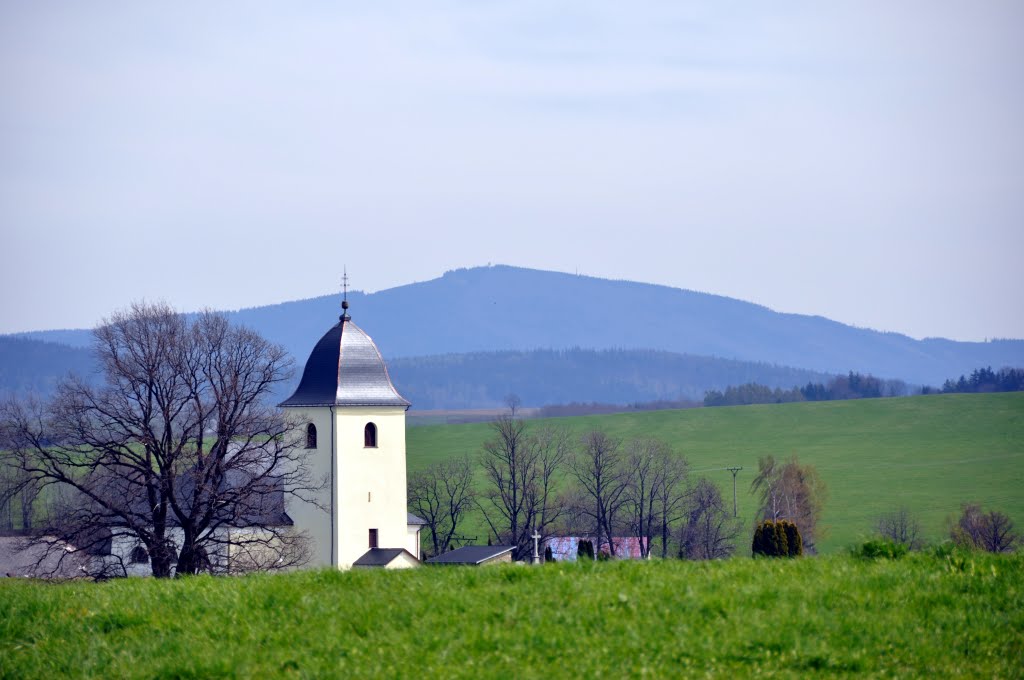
[791, 491]
[671, 496]
[552, 446]
[992, 531]
[520, 468]
[647, 477]
[18, 491]
[441, 494]
[710, 531]
[900, 526]
[598, 467]
[175, 449]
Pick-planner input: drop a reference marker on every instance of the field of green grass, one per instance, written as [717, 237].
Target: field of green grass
[958, 615]
[929, 453]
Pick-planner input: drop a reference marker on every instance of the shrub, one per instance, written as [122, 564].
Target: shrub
[548, 555]
[881, 548]
[585, 549]
[777, 539]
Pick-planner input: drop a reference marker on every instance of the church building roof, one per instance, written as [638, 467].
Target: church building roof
[345, 369]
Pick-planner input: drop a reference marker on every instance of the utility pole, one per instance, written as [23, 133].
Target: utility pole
[734, 471]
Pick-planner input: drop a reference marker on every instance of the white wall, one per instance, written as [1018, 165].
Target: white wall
[316, 522]
[371, 483]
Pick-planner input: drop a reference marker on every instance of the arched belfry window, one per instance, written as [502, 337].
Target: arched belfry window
[311, 436]
[370, 436]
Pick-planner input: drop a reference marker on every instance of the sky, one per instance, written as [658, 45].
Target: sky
[862, 161]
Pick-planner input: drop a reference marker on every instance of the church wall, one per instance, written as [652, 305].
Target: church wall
[315, 521]
[371, 482]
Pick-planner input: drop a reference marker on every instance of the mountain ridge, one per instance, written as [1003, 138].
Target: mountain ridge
[504, 308]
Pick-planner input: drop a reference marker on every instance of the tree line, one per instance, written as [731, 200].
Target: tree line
[851, 386]
[857, 386]
[985, 380]
[539, 478]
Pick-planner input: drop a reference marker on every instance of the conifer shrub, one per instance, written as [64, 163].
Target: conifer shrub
[793, 540]
[585, 549]
[548, 555]
[777, 539]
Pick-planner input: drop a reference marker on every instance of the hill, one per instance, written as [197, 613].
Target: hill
[508, 308]
[477, 380]
[930, 453]
[923, 616]
[34, 367]
[538, 377]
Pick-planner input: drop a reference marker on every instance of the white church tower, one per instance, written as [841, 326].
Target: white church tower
[352, 421]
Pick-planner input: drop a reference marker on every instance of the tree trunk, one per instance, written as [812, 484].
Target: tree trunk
[161, 559]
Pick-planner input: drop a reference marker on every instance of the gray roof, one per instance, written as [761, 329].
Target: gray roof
[19, 556]
[413, 519]
[380, 557]
[345, 368]
[471, 554]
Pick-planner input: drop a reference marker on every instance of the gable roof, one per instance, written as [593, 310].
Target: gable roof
[471, 554]
[381, 557]
[413, 519]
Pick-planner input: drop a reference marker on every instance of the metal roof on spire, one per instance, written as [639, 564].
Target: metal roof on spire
[345, 368]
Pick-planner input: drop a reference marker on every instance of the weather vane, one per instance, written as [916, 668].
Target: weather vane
[344, 293]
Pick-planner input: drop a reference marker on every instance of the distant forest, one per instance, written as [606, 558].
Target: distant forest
[34, 367]
[986, 380]
[580, 376]
[857, 386]
[851, 386]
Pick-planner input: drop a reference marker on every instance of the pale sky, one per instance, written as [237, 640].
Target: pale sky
[859, 160]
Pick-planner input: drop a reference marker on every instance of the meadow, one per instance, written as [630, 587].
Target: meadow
[945, 614]
[930, 453]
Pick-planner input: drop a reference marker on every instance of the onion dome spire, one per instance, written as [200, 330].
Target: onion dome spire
[344, 299]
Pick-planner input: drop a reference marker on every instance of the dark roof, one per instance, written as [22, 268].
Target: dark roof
[413, 519]
[380, 557]
[471, 554]
[345, 368]
[264, 507]
[19, 556]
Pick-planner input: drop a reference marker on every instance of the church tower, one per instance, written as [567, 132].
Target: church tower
[351, 420]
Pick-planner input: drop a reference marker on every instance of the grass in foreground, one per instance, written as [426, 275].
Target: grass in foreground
[960, 615]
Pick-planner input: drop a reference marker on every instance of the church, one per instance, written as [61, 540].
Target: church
[351, 421]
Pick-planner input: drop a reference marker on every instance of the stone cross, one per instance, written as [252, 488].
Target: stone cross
[536, 553]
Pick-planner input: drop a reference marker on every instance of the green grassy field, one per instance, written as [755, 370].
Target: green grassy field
[930, 453]
[925, 615]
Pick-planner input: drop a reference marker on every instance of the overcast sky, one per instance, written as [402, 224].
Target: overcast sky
[859, 160]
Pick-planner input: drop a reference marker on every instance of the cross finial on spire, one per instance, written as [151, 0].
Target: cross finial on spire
[344, 294]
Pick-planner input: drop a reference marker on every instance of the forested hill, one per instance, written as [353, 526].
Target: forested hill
[539, 377]
[475, 380]
[508, 308]
[34, 367]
